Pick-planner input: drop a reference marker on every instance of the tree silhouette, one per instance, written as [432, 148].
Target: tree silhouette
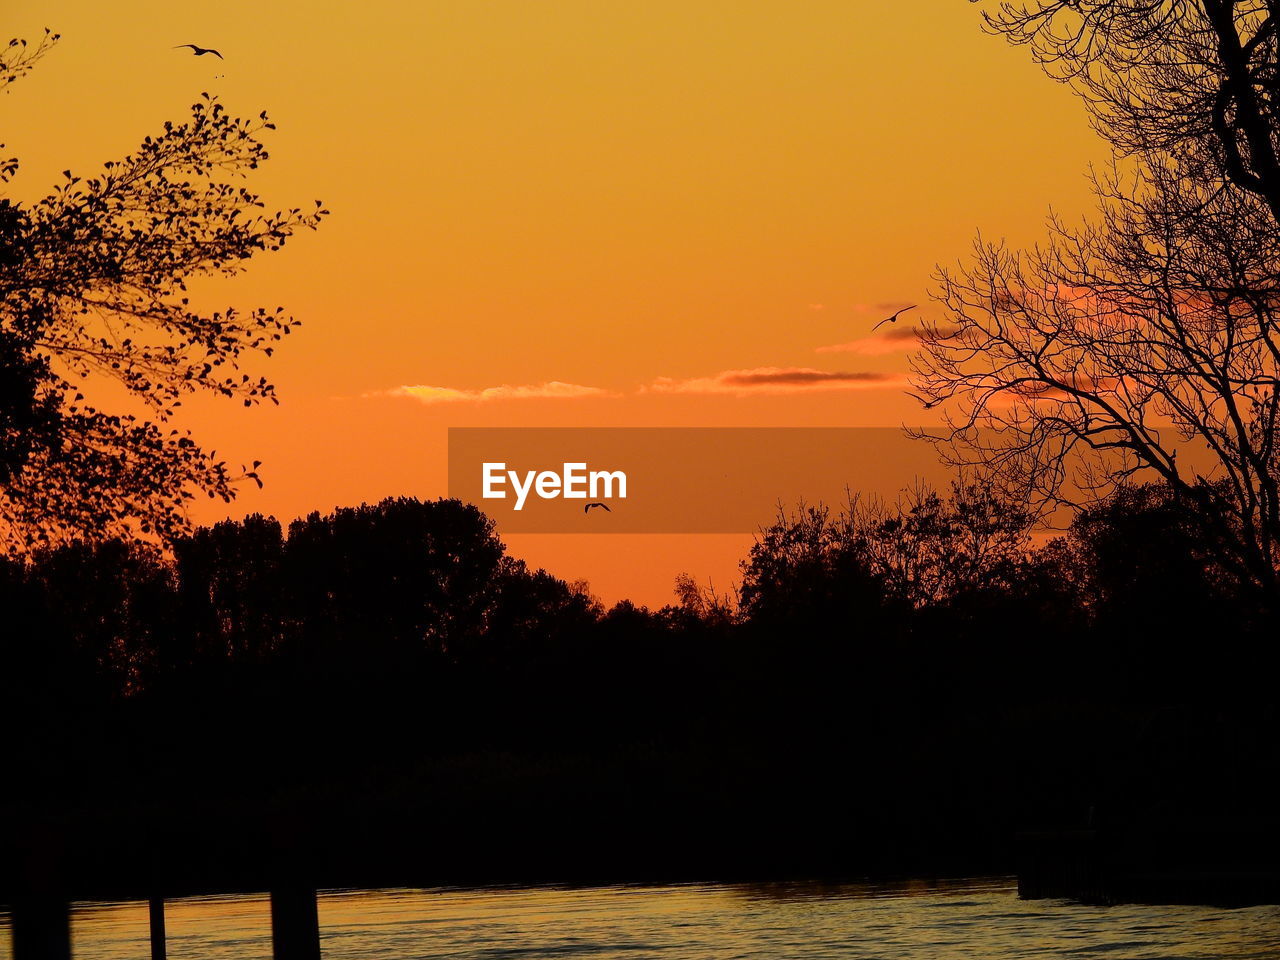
[447, 563]
[1167, 75]
[231, 580]
[93, 282]
[925, 549]
[1066, 369]
[933, 548]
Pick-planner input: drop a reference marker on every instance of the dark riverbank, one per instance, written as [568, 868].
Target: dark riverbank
[640, 815]
[1219, 864]
[635, 815]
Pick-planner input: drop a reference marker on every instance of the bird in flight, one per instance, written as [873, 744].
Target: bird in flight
[200, 51]
[894, 318]
[587, 508]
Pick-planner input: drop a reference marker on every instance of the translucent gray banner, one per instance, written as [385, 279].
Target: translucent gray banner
[677, 479]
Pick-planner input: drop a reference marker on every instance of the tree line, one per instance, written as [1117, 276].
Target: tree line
[429, 584]
[929, 657]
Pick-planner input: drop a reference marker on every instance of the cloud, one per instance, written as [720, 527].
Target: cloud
[890, 340]
[777, 380]
[552, 389]
[1025, 394]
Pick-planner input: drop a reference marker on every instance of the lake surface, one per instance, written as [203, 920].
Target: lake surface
[922, 921]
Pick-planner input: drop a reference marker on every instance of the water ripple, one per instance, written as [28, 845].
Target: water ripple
[967, 920]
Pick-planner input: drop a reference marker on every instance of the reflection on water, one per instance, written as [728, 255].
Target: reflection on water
[969, 919]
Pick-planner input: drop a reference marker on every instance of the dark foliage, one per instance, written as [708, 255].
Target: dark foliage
[94, 293]
[893, 690]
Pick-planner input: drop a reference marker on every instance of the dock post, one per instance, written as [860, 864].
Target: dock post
[295, 924]
[156, 909]
[41, 928]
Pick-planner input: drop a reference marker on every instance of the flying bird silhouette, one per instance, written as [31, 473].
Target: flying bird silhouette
[894, 318]
[587, 508]
[200, 51]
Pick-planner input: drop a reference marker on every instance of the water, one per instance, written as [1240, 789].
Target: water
[921, 921]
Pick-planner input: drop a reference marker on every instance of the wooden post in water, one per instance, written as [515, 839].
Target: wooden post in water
[295, 924]
[156, 907]
[41, 928]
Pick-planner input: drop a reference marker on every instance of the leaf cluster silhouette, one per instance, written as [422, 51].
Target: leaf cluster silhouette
[94, 289]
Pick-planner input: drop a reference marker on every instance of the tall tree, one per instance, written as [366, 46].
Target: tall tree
[1152, 330]
[93, 283]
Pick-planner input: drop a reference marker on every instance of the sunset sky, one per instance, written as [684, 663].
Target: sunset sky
[572, 213]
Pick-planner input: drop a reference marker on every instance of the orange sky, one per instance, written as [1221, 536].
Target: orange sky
[631, 198]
